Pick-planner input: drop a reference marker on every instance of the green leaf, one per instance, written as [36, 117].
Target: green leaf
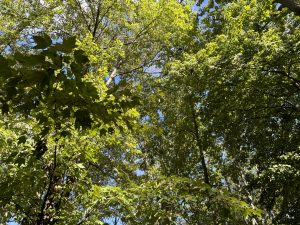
[42, 119]
[43, 41]
[110, 130]
[65, 133]
[80, 57]
[103, 132]
[20, 160]
[22, 139]
[83, 119]
[67, 46]
[76, 69]
[5, 108]
[66, 113]
[11, 157]
[80, 165]
[45, 131]
[5, 69]
[21, 58]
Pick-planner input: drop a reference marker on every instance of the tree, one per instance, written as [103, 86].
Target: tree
[146, 112]
[243, 84]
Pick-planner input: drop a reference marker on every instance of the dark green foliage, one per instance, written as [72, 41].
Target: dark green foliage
[53, 78]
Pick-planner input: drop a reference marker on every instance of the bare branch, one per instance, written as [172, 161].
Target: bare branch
[111, 77]
[97, 21]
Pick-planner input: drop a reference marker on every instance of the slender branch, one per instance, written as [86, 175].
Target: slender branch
[111, 77]
[97, 21]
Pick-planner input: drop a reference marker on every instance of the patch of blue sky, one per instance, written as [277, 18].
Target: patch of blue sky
[113, 221]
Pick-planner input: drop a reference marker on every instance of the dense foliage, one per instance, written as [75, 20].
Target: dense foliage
[149, 112]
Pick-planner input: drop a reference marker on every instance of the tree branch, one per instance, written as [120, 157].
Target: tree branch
[200, 146]
[97, 21]
[111, 77]
[291, 5]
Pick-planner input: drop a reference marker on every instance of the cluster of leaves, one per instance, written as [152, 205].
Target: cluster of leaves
[55, 78]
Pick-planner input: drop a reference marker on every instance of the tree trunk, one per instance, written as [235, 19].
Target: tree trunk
[200, 146]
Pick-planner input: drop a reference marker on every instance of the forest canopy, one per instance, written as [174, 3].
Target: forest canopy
[151, 112]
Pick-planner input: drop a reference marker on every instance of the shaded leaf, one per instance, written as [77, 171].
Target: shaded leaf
[42, 41]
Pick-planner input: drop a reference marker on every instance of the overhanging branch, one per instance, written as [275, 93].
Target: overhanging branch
[291, 5]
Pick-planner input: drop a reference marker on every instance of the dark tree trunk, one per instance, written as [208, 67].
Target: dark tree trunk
[200, 146]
